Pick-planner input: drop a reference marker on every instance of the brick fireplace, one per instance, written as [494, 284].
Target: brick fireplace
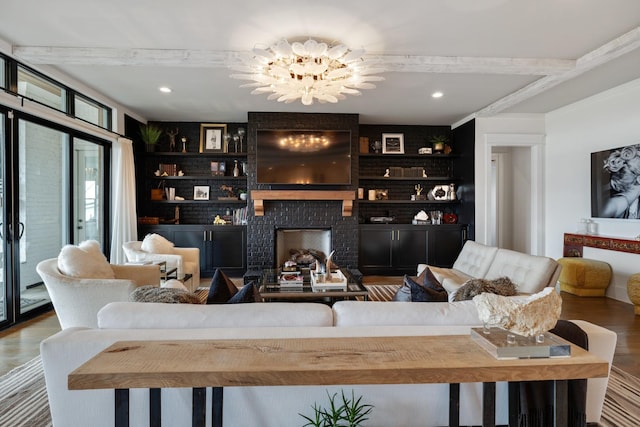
[301, 214]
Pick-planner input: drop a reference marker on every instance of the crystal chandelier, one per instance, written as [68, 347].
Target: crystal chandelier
[308, 70]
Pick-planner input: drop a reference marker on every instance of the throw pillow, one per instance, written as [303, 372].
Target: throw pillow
[84, 261]
[151, 293]
[156, 244]
[248, 293]
[430, 281]
[415, 292]
[221, 289]
[501, 286]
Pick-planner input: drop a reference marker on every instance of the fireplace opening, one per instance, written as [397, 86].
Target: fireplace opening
[301, 245]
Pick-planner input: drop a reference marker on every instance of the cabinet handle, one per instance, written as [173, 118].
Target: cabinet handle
[398, 235]
[211, 235]
[204, 236]
[393, 235]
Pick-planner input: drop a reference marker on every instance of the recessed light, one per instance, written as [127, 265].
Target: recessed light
[165, 89]
[437, 95]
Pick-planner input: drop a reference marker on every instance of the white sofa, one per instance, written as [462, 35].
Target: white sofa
[395, 405]
[530, 273]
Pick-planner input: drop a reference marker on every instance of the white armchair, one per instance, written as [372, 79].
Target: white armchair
[186, 260]
[78, 300]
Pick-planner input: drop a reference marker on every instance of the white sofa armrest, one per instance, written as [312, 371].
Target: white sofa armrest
[602, 343]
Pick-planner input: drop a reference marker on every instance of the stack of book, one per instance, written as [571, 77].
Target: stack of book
[292, 279]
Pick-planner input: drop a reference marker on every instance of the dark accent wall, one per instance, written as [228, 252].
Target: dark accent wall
[304, 214]
[465, 137]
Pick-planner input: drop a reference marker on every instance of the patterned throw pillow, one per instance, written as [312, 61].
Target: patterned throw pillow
[502, 286]
[165, 295]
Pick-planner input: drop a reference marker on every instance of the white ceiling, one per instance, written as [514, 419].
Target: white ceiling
[485, 55]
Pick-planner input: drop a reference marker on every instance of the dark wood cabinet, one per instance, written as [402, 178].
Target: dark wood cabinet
[398, 249]
[222, 247]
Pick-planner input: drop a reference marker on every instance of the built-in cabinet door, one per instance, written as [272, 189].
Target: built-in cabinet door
[375, 249]
[445, 243]
[228, 249]
[409, 249]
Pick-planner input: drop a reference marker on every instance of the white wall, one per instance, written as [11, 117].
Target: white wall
[608, 120]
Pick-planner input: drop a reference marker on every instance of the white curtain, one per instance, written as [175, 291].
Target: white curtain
[124, 219]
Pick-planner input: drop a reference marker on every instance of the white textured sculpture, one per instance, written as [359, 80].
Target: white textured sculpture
[529, 316]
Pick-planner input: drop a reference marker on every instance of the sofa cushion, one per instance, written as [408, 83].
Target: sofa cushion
[221, 289]
[84, 261]
[530, 273]
[501, 286]
[151, 293]
[374, 313]
[135, 315]
[156, 244]
[475, 259]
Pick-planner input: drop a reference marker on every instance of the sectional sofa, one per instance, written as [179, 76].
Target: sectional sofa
[530, 273]
[395, 405]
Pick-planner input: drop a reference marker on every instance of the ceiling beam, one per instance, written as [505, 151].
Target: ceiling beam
[225, 59]
[608, 52]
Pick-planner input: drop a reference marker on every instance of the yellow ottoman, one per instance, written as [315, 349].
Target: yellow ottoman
[584, 277]
[633, 290]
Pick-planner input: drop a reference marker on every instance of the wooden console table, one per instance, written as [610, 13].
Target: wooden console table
[574, 244]
[321, 361]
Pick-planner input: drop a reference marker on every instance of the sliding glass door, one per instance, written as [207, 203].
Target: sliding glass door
[52, 193]
[4, 295]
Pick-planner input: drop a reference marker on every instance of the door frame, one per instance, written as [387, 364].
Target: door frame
[535, 143]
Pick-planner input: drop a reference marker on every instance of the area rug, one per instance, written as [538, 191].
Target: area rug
[23, 398]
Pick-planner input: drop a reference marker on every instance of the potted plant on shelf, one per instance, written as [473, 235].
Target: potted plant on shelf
[438, 143]
[150, 135]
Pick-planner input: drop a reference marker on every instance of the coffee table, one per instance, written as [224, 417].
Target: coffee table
[270, 289]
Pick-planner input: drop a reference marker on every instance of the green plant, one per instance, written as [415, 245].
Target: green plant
[150, 134]
[439, 139]
[350, 412]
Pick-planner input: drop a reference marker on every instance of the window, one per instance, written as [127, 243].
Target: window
[92, 111]
[38, 88]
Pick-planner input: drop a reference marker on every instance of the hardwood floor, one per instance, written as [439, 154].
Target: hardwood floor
[21, 343]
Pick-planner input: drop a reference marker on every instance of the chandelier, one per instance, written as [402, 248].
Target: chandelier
[308, 70]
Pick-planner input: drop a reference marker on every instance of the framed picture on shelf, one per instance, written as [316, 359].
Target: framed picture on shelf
[201, 192]
[217, 168]
[392, 143]
[211, 137]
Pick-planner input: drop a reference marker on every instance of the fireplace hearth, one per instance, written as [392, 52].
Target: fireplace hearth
[302, 245]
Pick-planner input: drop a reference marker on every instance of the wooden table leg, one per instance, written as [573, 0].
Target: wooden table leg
[122, 407]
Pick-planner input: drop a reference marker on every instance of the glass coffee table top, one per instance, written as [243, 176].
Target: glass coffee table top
[271, 287]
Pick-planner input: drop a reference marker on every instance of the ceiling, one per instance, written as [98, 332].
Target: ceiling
[486, 56]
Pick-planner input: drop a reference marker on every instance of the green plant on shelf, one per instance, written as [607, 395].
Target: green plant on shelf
[346, 412]
[150, 135]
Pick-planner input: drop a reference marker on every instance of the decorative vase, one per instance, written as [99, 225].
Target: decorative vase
[150, 148]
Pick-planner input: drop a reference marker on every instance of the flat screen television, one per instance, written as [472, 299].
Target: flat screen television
[303, 157]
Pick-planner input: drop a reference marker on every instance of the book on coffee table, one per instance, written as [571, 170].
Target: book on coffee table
[291, 280]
